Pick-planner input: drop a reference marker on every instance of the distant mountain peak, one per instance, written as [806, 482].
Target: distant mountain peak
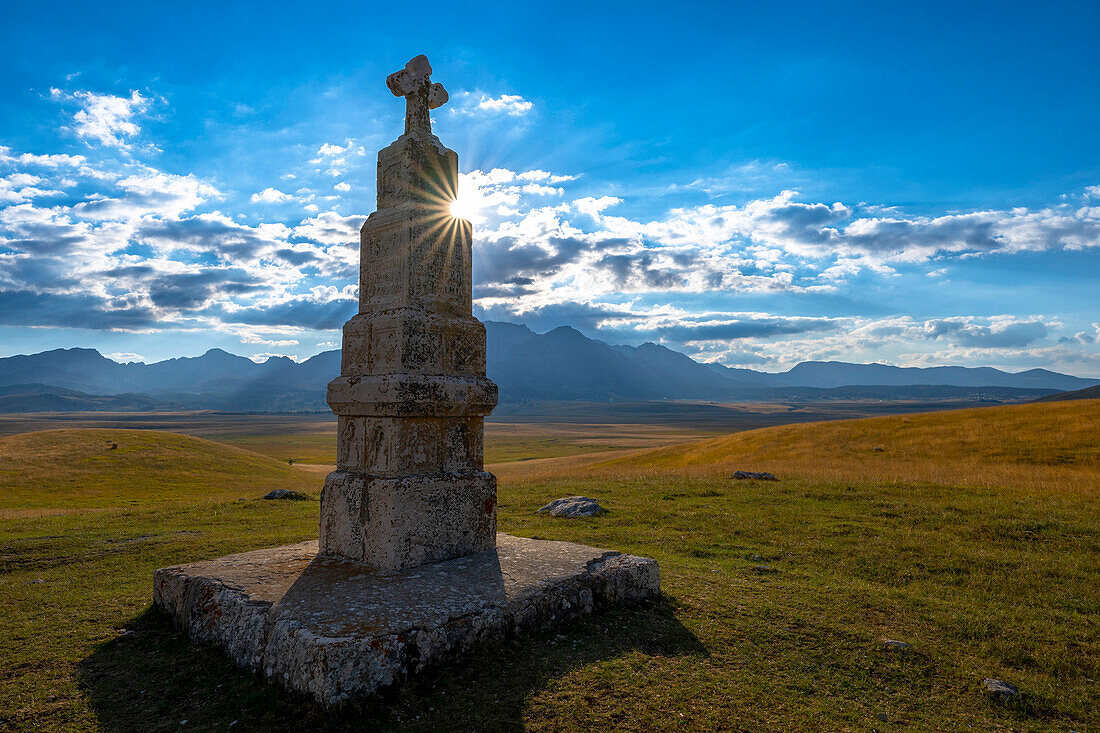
[562, 364]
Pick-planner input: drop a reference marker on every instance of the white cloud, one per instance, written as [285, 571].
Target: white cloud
[49, 161]
[594, 206]
[270, 196]
[543, 176]
[329, 150]
[19, 188]
[124, 357]
[252, 338]
[261, 358]
[342, 186]
[105, 118]
[334, 159]
[330, 228]
[510, 104]
[479, 104]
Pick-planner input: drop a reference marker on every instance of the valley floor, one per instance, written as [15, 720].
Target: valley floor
[972, 536]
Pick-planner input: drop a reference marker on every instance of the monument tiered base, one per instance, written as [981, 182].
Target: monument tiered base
[337, 630]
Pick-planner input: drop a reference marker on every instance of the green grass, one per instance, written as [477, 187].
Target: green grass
[984, 577]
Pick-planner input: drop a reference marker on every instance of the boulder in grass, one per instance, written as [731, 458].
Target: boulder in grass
[1000, 691]
[286, 494]
[759, 476]
[573, 506]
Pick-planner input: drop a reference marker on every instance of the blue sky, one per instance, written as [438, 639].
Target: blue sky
[753, 185]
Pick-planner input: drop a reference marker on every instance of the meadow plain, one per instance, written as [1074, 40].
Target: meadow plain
[973, 536]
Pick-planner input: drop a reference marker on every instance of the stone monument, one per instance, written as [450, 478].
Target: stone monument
[409, 487]
[409, 567]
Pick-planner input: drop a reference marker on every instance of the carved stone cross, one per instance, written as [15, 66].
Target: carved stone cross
[420, 92]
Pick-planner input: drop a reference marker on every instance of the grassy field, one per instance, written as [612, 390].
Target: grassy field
[513, 432]
[974, 536]
[311, 438]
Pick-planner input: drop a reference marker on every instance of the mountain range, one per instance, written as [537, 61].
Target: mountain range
[560, 365]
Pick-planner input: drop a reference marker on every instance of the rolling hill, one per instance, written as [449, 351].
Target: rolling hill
[1088, 393]
[87, 468]
[1037, 446]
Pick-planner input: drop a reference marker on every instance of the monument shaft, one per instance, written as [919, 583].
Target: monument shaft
[409, 486]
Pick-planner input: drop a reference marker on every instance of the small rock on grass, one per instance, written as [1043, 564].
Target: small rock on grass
[286, 494]
[573, 506]
[1000, 691]
[764, 570]
[895, 644]
[759, 476]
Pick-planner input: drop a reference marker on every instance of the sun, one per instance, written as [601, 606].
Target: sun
[464, 207]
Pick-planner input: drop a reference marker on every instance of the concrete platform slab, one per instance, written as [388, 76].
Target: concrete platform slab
[337, 630]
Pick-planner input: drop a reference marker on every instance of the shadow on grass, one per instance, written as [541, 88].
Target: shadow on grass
[151, 677]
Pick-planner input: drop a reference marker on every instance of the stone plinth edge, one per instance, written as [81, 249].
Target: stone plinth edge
[411, 395]
[336, 630]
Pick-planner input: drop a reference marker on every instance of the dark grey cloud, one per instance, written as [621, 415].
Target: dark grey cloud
[297, 257]
[638, 269]
[43, 238]
[741, 328]
[507, 258]
[29, 308]
[973, 232]
[582, 316]
[811, 223]
[185, 291]
[1004, 335]
[229, 240]
[301, 313]
[130, 271]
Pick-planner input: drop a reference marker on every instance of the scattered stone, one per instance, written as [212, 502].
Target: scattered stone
[286, 494]
[573, 506]
[764, 570]
[878, 449]
[895, 644]
[883, 717]
[112, 446]
[1000, 691]
[755, 558]
[36, 581]
[761, 476]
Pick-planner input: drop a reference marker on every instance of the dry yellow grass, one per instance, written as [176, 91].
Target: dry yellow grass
[1027, 447]
[60, 470]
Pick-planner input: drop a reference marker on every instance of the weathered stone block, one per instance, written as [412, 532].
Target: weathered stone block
[405, 446]
[411, 395]
[413, 257]
[418, 170]
[393, 522]
[406, 341]
[336, 630]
